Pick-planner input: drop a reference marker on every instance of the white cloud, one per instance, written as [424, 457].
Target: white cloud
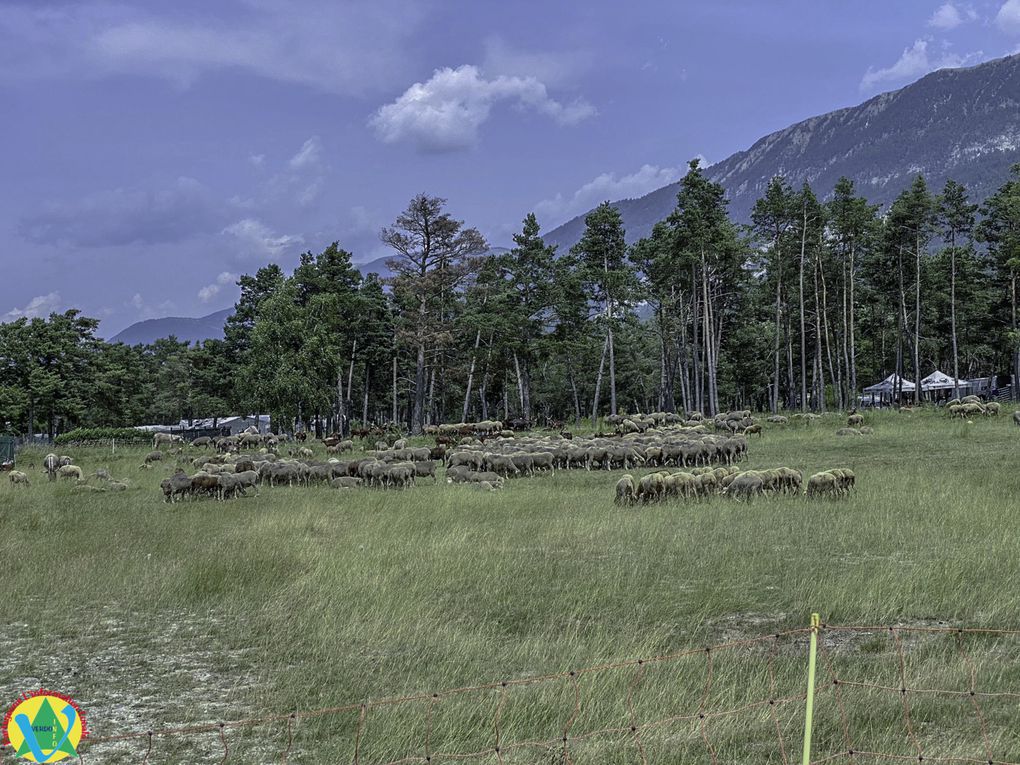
[146, 311]
[208, 292]
[948, 16]
[308, 156]
[352, 47]
[1008, 17]
[257, 159]
[446, 112]
[137, 301]
[260, 241]
[915, 62]
[607, 186]
[38, 307]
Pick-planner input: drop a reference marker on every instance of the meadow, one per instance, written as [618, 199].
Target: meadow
[154, 615]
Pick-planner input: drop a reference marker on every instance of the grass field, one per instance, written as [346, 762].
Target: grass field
[155, 615]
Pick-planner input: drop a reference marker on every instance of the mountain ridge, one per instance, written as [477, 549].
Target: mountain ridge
[962, 123]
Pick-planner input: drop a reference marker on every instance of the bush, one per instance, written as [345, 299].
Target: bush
[87, 435]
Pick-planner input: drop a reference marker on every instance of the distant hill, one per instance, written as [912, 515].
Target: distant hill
[954, 123]
[184, 329]
[211, 327]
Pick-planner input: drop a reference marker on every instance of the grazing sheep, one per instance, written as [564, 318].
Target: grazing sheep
[346, 482]
[400, 443]
[1016, 418]
[17, 477]
[855, 420]
[992, 409]
[778, 419]
[822, 484]
[754, 429]
[103, 474]
[485, 486]
[166, 438]
[153, 457]
[201, 442]
[746, 485]
[848, 432]
[175, 487]
[626, 491]
[50, 463]
[117, 486]
[70, 471]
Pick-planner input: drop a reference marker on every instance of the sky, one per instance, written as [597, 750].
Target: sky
[152, 151]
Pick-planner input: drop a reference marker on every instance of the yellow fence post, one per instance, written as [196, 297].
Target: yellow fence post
[809, 713]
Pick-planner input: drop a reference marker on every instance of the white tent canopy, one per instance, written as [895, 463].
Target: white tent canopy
[890, 384]
[940, 381]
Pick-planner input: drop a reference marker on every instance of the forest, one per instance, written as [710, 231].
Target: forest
[796, 311]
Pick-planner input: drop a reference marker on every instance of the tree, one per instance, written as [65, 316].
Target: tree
[431, 262]
[1000, 230]
[706, 242]
[774, 217]
[956, 222]
[601, 254]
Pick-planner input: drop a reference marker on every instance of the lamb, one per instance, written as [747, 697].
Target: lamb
[17, 477]
[346, 482]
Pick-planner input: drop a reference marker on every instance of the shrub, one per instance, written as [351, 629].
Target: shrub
[87, 435]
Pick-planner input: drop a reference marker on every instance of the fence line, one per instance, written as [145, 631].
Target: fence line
[564, 743]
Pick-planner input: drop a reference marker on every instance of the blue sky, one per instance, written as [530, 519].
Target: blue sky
[152, 151]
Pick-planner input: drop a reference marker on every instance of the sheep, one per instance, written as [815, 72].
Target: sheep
[103, 474]
[70, 471]
[992, 409]
[201, 442]
[166, 438]
[778, 419]
[17, 477]
[855, 420]
[425, 469]
[754, 429]
[205, 484]
[117, 486]
[401, 475]
[153, 457]
[746, 484]
[822, 483]
[501, 464]
[848, 432]
[1016, 418]
[346, 482]
[246, 479]
[400, 443]
[227, 486]
[65, 460]
[50, 464]
[176, 486]
[650, 487]
[485, 486]
[626, 491]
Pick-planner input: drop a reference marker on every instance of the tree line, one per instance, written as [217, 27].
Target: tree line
[795, 311]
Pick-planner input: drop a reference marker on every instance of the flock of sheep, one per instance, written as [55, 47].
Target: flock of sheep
[701, 483]
[703, 451]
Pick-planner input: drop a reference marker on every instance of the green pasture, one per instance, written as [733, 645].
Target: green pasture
[154, 615]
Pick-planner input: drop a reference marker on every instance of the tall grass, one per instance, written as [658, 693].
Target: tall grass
[153, 614]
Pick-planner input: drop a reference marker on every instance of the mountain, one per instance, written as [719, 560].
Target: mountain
[954, 123]
[183, 328]
[211, 327]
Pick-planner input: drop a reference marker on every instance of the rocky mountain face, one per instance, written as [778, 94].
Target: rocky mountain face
[954, 123]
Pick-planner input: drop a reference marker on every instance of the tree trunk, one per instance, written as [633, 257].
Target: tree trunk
[394, 390]
[803, 332]
[612, 371]
[520, 384]
[429, 413]
[577, 398]
[952, 317]
[779, 336]
[471, 375]
[364, 401]
[917, 321]
[853, 347]
[598, 382]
